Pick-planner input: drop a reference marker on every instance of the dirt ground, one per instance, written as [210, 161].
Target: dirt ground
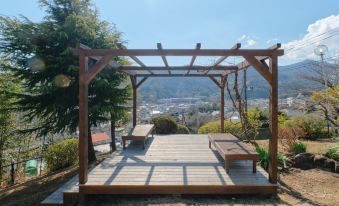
[297, 187]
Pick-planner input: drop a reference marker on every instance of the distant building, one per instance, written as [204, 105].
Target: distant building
[100, 138]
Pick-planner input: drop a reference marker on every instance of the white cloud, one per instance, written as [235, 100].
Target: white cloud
[247, 40]
[272, 41]
[323, 31]
[251, 42]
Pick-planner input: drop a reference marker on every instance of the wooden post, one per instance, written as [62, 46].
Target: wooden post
[222, 108]
[83, 120]
[134, 88]
[273, 142]
[222, 103]
[134, 106]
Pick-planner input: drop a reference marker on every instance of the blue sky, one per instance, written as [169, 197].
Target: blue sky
[214, 24]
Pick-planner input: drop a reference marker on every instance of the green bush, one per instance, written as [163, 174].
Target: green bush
[165, 124]
[263, 157]
[182, 129]
[214, 127]
[333, 153]
[283, 160]
[313, 126]
[62, 154]
[299, 147]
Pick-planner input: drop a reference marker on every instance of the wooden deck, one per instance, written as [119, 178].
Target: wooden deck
[172, 164]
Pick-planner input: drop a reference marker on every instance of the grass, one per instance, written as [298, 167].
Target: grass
[317, 146]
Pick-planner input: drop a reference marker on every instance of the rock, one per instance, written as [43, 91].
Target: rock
[330, 165]
[325, 163]
[319, 161]
[304, 161]
[337, 168]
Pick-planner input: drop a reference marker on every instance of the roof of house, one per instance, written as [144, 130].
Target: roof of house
[99, 138]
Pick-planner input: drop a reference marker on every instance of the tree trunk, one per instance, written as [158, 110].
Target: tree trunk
[113, 146]
[91, 152]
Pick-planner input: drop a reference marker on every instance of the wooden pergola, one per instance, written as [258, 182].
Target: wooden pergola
[216, 72]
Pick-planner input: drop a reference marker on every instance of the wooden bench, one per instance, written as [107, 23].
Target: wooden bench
[231, 148]
[138, 133]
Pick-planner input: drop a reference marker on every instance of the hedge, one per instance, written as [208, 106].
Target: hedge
[62, 154]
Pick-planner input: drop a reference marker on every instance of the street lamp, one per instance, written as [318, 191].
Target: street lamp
[320, 50]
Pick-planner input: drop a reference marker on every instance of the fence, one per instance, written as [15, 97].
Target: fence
[18, 171]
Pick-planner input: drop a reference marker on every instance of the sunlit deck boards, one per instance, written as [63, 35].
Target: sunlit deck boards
[174, 164]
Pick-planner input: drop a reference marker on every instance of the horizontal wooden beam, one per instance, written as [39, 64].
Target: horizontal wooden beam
[179, 52]
[177, 75]
[161, 68]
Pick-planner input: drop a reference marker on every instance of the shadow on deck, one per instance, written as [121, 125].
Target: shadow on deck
[171, 164]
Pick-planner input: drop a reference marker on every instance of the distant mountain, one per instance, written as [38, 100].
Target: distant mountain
[291, 82]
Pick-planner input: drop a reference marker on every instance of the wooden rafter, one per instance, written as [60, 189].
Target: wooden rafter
[163, 57]
[221, 59]
[197, 47]
[136, 59]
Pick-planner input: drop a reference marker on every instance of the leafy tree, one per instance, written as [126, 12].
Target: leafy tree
[328, 100]
[42, 53]
[8, 84]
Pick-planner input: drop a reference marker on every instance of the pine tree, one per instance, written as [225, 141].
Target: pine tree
[49, 72]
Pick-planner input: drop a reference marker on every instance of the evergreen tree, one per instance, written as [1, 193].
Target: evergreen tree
[49, 72]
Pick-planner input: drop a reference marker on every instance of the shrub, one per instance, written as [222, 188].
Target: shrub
[299, 147]
[214, 127]
[182, 129]
[333, 153]
[165, 124]
[289, 135]
[62, 154]
[263, 157]
[282, 159]
[312, 125]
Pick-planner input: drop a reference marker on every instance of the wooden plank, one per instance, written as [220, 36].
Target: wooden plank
[141, 81]
[179, 52]
[221, 59]
[98, 66]
[163, 57]
[273, 109]
[259, 67]
[134, 99]
[175, 189]
[197, 47]
[136, 59]
[179, 68]
[83, 120]
[177, 75]
[178, 163]
[245, 64]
